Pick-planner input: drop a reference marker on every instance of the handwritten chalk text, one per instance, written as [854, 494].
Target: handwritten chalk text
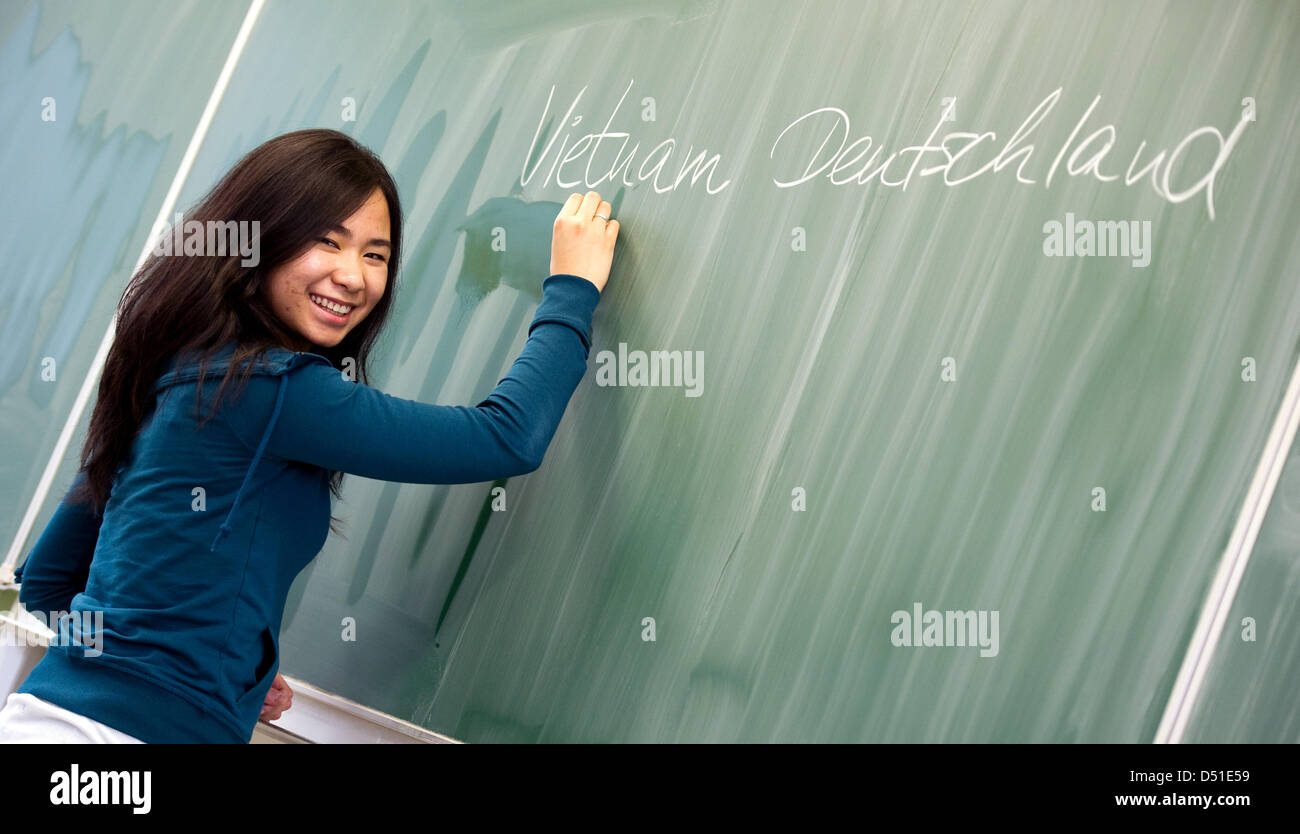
[1086, 158]
[651, 167]
[860, 162]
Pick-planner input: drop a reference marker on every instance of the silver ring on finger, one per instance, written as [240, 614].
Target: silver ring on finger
[603, 217]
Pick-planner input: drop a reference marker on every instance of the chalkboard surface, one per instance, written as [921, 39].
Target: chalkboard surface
[969, 323]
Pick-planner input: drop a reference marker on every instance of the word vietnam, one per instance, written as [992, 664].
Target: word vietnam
[959, 150]
[588, 145]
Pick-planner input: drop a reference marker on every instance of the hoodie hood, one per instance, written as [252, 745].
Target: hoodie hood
[276, 361]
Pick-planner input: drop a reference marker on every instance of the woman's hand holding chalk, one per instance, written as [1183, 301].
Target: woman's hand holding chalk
[583, 243]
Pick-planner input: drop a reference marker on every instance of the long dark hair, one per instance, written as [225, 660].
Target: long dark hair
[297, 186]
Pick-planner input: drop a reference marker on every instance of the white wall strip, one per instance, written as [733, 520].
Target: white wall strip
[1223, 590]
[92, 377]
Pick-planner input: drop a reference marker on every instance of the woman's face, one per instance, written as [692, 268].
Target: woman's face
[347, 265]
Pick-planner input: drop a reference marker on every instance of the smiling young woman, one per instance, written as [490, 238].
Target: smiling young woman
[186, 529]
[334, 284]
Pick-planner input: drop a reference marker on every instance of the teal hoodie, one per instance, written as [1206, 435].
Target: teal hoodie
[192, 584]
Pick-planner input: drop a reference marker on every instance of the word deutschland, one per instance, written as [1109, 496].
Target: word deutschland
[1089, 154]
[654, 368]
[109, 787]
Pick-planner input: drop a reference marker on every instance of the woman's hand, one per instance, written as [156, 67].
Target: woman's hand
[278, 699]
[583, 244]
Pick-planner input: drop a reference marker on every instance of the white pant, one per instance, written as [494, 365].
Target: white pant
[27, 719]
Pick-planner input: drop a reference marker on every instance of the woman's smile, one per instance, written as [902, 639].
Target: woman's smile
[332, 311]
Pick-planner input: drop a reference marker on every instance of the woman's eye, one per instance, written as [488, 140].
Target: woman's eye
[381, 258]
[327, 240]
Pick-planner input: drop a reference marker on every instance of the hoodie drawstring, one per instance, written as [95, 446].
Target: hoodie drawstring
[270, 426]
